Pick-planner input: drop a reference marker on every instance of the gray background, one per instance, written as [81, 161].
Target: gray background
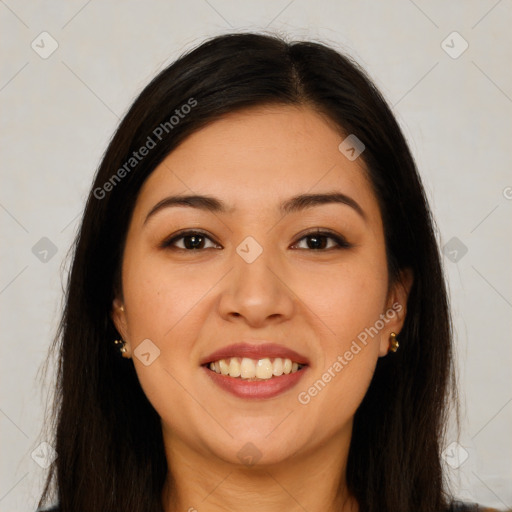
[455, 108]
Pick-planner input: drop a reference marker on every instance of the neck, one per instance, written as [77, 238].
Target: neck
[313, 481]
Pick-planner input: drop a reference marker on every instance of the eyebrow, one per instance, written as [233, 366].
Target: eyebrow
[291, 205]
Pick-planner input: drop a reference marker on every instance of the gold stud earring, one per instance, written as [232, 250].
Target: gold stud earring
[393, 342]
[123, 349]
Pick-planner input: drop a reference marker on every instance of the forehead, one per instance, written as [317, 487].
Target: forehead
[260, 156]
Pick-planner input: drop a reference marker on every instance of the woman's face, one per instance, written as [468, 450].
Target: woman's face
[253, 273]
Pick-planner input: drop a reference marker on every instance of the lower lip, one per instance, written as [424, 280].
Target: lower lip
[256, 389]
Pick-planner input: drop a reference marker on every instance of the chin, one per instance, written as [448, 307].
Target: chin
[257, 450]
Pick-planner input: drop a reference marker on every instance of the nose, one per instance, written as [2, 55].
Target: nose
[257, 293]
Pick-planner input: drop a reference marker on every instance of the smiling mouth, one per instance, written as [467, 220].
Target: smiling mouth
[244, 368]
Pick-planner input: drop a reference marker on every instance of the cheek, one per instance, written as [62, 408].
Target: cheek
[347, 298]
[349, 353]
[349, 303]
[161, 297]
[164, 305]
[167, 305]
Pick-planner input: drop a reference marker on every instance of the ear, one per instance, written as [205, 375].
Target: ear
[396, 309]
[118, 316]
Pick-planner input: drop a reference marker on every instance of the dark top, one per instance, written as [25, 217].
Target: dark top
[459, 506]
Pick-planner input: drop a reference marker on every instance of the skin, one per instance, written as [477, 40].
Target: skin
[315, 301]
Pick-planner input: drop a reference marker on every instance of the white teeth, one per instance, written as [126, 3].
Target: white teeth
[264, 369]
[224, 368]
[254, 369]
[277, 368]
[247, 368]
[215, 366]
[234, 367]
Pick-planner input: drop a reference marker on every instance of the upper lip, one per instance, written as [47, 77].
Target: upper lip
[252, 351]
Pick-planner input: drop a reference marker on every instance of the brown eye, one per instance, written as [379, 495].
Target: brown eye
[318, 240]
[192, 241]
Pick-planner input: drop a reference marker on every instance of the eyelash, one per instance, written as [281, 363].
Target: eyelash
[339, 240]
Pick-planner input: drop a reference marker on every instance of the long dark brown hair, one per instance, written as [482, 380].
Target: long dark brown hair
[107, 435]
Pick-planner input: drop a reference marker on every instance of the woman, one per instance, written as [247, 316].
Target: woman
[258, 247]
